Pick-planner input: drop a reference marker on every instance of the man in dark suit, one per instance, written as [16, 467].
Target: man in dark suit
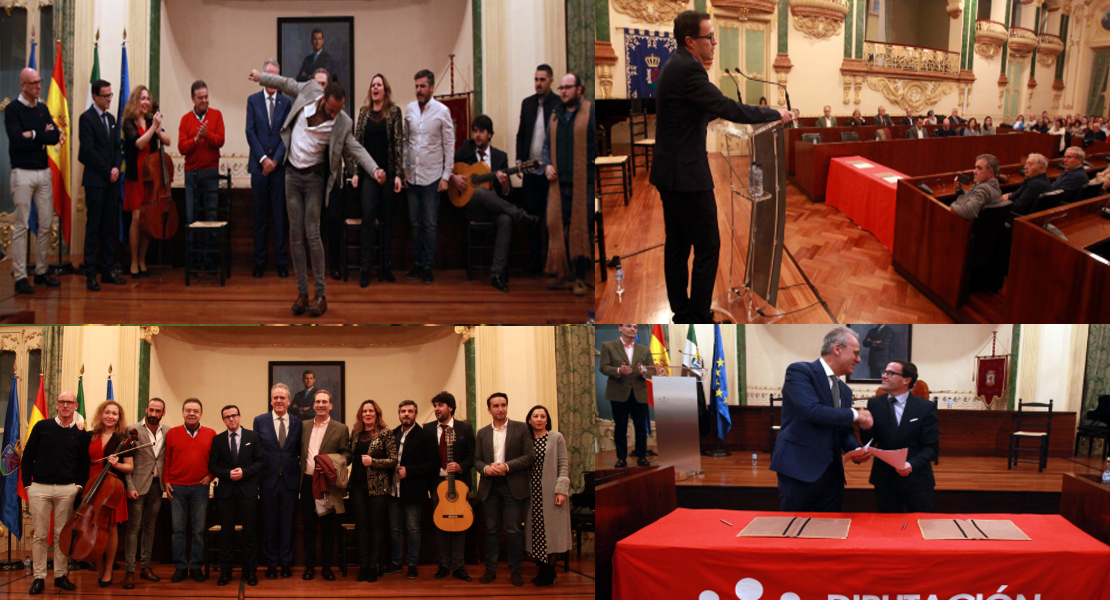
[817, 418]
[503, 455]
[417, 465]
[266, 112]
[956, 118]
[947, 129]
[100, 154]
[902, 420]
[908, 119]
[451, 545]
[236, 459]
[486, 205]
[535, 114]
[882, 119]
[317, 60]
[1074, 177]
[686, 101]
[1034, 184]
[280, 438]
[879, 340]
[302, 401]
[626, 364]
[918, 131]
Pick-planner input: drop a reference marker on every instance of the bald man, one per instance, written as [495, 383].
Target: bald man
[30, 130]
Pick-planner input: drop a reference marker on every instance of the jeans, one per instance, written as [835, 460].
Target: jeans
[207, 209]
[581, 264]
[423, 212]
[377, 203]
[371, 523]
[304, 197]
[500, 507]
[411, 512]
[269, 200]
[142, 515]
[31, 185]
[486, 205]
[191, 501]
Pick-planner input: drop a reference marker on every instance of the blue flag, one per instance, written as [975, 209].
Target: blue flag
[9, 466]
[719, 387]
[110, 396]
[124, 92]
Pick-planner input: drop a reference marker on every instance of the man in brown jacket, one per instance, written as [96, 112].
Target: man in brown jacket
[322, 435]
[626, 364]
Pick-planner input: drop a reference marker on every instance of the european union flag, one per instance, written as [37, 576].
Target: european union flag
[9, 467]
[719, 386]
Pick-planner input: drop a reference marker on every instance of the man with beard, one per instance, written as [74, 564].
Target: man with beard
[451, 545]
[144, 491]
[535, 114]
[568, 156]
[302, 401]
[429, 147]
[417, 464]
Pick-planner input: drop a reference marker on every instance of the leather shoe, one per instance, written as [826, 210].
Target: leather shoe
[386, 275]
[642, 462]
[283, 271]
[327, 574]
[129, 581]
[363, 574]
[442, 572]
[113, 278]
[251, 577]
[530, 220]
[428, 277]
[198, 575]
[37, 586]
[621, 464]
[23, 286]
[318, 307]
[391, 568]
[498, 281]
[412, 574]
[64, 583]
[309, 574]
[488, 576]
[271, 572]
[364, 279]
[149, 575]
[91, 283]
[47, 280]
[286, 571]
[301, 304]
[225, 577]
[178, 575]
[518, 579]
[258, 270]
[461, 573]
[415, 273]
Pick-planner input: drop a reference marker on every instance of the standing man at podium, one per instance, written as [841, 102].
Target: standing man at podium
[686, 102]
[626, 364]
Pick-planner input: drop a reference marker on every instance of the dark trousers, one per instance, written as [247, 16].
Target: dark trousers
[499, 509]
[404, 520]
[824, 495]
[486, 205]
[278, 509]
[335, 214]
[377, 203]
[581, 264]
[451, 545]
[639, 414]
[269, 199]
[896, 499]
[101, 210]
[371, 524]
[535, 190]
[690, 220]
[310, 520]
[244, 510]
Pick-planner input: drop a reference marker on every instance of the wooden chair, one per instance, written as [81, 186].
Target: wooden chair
[352, 234]
[208, 243]
[1031, 425]
[849, 136]
[1096, 426]
[474, 245]
[614, 176]
[774, 431]
[582, 511]
[640, 131]
[599, 237]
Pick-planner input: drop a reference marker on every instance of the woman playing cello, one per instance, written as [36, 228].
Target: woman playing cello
[140, 137]
[107, 430]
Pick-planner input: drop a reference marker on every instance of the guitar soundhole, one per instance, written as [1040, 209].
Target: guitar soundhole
[452, 496]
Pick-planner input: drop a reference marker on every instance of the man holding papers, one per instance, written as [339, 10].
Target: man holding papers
[902, 420]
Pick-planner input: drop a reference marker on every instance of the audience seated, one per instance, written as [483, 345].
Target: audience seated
[955, 118]
[945, 130]
[984, 190]
[827, 120]
[1019, 124]
[972, 127]
[908, 119]
[857, 119]
[1036, 183]
[988, 126]
[882, 119]
[918, 131]
[1074, 178]
[930, 118]
[1094, 134]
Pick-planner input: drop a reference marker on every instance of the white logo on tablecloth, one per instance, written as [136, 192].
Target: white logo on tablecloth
[746, 589]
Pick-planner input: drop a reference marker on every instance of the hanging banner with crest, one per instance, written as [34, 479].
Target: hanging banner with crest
[644, 55]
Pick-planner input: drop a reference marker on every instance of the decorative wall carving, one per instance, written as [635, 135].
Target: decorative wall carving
[1029, 101]
[732, 12]
[1057, 92]
[605, 58]
[911, 95]
[955, 9]
[1003, 81]
[7, 229]
[782, 66]
[650, 11]
[466, 331]
[879, 55]
[819, 19]
[990, 36]
[1050, 46]
[1022, 42]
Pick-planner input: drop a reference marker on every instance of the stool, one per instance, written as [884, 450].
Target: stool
[599, 235]
[210, 241]
[647, 146]
[472, 229]
[354, 225]
[346, 538]
[1092, 433]
[211, 545]
[611, 169]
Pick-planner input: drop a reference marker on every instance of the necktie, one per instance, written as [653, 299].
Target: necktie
[481, 156]
[893, 415]
[234, 449]
[270, 109]
[835, 391]
[107, 124]
[443, 446]
[281, 431]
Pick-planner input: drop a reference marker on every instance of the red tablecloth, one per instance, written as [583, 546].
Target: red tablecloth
[692, 555]
[863, 196]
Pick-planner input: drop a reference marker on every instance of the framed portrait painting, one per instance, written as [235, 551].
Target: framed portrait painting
[878, 345]
[304, 379]
[306, 44]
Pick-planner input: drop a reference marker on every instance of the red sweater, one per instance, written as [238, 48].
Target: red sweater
[206, 154]
[187, 456]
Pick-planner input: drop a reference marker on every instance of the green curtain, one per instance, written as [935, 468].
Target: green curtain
[52, 363]
[1096, 380]
[574, 372]
[1096, 99]
[580, 42]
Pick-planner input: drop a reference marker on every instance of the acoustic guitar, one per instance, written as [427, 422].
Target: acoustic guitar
[453, 512]
[479, 175]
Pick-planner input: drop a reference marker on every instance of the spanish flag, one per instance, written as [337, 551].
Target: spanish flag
[38, 413]
[659, 357]
[59, 155]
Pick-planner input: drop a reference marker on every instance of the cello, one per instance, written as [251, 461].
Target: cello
[85, 534]
[158, 214]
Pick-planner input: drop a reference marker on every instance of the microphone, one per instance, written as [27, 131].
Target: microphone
[1054, 230]
[731, 76]
[783, 86]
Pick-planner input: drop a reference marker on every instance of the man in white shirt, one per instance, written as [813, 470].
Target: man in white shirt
[429, 146]
[144, 492]
[535, 114]
[417, 465]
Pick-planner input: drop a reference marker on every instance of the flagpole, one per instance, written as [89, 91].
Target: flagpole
[10, 564]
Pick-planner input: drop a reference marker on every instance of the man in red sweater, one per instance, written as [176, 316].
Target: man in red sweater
[199, 139]
[187, 479]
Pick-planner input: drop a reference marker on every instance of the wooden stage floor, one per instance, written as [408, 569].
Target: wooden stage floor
[244, 299]
[578, 583]
[848, 268]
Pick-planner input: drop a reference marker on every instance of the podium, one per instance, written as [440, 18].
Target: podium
[756, 291]
[676, 423]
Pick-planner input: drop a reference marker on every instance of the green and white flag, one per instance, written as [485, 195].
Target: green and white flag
[691, 360]
[79, 415]
[95, 75]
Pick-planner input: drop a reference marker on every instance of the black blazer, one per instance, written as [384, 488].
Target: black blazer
[919, 431]
[686, 101]
[100, 152]
[420, 460]
[498, 160]
[528, 122]
[463, 450]
[251, 459]
[883, 120]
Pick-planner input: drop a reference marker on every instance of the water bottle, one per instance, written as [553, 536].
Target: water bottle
[1106, 474]
[620, 281]
[755, 458]
[949, 404]
[27, 565]
[757, 180]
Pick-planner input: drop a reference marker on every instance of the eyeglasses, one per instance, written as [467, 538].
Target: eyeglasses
[108, 95]
[65, 402]
[890, 373]
[563, 88]
[231, 417]
[711, 37]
